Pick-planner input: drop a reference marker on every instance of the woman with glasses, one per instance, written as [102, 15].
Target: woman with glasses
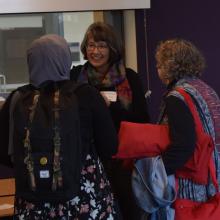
[122, 92]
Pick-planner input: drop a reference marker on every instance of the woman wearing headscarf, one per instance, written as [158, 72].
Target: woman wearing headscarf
[49, 62]
[122, 91]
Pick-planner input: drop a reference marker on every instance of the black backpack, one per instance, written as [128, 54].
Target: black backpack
[47, 144]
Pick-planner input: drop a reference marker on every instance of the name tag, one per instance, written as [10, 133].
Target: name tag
[111, 95]
[44, 174]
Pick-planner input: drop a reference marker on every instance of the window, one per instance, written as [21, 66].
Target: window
[18, 31]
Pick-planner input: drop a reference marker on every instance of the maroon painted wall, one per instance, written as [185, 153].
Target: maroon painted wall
[194, 20]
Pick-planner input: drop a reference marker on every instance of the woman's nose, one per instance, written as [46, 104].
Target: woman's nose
[96, 50]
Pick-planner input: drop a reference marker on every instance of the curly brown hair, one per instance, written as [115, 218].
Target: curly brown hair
[104, 32]
[179, 58]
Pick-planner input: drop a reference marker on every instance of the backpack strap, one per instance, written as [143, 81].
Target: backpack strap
[192, 108]
[57, 173]
[28, 160]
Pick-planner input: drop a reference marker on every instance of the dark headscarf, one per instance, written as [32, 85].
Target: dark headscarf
[49, 59]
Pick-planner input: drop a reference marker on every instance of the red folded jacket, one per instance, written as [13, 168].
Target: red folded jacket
[142, 140]
[138, 140]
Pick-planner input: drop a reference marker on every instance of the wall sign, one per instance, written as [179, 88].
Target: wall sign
[30, 6]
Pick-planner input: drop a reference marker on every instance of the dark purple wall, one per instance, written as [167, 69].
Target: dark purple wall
[197, 21]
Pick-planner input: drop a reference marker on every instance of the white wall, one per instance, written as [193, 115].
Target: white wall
[24, 6]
